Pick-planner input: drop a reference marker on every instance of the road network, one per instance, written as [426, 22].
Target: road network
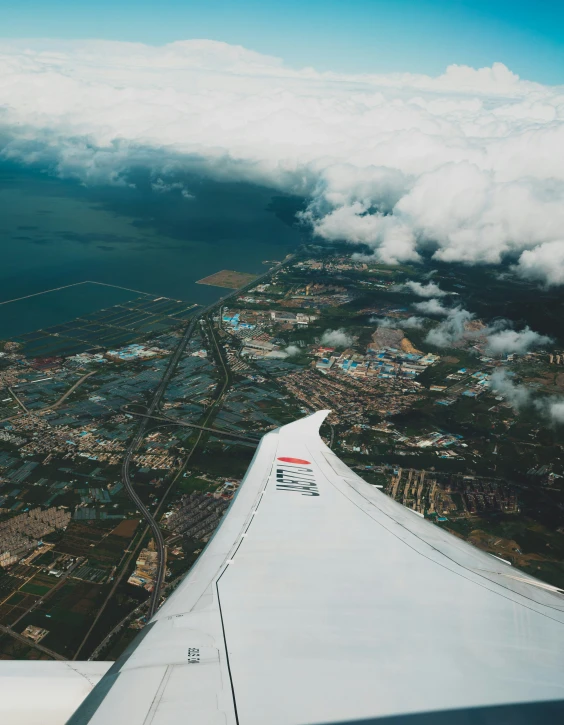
[153, 407]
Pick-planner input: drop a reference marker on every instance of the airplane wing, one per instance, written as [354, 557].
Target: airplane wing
[320, 600]
[43, 692]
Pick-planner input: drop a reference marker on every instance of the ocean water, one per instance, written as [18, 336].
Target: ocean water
[57, 232]
[57, 306]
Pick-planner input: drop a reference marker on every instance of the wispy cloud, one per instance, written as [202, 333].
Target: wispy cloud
[519, 397]
[499, 337]
[402, 323]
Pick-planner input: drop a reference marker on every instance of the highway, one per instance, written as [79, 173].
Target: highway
[152, 407]
[188, 424]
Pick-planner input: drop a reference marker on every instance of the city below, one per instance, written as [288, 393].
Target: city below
[125, 433]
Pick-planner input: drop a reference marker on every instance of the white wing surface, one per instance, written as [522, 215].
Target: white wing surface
[43, 692]
[321, 600]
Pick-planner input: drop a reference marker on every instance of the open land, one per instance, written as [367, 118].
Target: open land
[228, 278]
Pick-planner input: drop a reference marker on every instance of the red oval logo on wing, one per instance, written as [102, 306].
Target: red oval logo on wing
[294, 460]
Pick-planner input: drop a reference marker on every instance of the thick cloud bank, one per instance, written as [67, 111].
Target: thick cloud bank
[467, 165]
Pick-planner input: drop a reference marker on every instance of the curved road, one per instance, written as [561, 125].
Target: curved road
[152, 407]
[49, 408]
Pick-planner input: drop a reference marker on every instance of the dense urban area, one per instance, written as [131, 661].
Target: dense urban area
[445, 410]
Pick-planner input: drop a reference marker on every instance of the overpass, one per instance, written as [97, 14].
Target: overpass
[189, 424]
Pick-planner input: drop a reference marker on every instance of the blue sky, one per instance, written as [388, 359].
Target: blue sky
[347, 35]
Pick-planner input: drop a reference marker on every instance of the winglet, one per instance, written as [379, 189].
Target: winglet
[308, 426]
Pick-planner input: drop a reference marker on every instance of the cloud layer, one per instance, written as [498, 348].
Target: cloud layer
[467, 165]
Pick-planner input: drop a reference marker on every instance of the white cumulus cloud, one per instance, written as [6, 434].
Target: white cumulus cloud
[544, 263]
[452, 329]
[518, 396]
[508, 341]
[466, 166]
[336, 338]
[431, 307]
[424, 290]
[555, 410]
[292, 351]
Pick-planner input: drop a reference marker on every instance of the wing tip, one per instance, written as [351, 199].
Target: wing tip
[309, 425]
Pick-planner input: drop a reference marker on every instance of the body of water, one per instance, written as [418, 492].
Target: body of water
[55, 233]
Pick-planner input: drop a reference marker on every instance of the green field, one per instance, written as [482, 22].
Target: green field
[67, 614]
[15, 599]
[31, 588]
